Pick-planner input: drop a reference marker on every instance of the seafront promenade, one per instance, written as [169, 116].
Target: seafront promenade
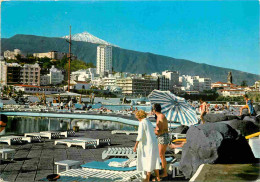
[34, 161]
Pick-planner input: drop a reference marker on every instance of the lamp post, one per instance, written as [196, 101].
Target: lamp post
[69, 61]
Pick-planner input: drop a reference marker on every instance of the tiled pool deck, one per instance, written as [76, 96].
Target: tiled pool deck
[34, 161]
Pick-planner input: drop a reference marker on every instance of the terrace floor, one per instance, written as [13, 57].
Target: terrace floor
[34, 161]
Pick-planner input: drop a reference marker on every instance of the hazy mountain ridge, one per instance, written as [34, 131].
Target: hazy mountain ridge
[125, 60]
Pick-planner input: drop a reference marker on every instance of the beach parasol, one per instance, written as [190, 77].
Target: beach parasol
[175, 108]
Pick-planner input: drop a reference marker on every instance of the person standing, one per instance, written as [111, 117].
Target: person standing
[146, 146]
[203, 110]
[61, 105]
[161, 130]
[92, 98]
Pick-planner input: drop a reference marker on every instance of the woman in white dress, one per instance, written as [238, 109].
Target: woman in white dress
[148, 159]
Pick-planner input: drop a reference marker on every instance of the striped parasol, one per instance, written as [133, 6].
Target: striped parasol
[175, 108]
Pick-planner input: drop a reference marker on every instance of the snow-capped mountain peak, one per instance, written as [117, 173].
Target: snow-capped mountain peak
[87, 37]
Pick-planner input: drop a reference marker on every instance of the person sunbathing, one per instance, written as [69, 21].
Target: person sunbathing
[249, 106]
[177, 144]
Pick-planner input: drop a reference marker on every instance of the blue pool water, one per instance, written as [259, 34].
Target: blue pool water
[127, 107]
[26, 124]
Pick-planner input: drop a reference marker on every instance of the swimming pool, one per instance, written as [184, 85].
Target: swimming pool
[25, 124]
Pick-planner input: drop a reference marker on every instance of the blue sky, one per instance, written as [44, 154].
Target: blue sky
[221, 33]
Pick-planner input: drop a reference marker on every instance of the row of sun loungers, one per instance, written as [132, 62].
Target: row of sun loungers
[30, 137]
[52, 134]
[18, 139]
[84, 142]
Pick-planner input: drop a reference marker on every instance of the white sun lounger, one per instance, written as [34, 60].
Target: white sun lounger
[83, 144]
[10, 140]
[119, 152]
[25, 138]
[128, 132]
[103, 141]
[177, 135]
[67, 133]
[97, 173]
[50, 134]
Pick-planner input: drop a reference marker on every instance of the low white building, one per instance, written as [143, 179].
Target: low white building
[84, 75]
[80, 85]
[222, 85]
[231, 92]
[37, 89]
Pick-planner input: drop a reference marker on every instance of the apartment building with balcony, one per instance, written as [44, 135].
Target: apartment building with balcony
[30, 74]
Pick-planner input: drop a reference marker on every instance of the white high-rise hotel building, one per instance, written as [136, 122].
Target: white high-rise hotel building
[104, 59]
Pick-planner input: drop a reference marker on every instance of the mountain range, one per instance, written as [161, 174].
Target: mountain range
[125, 60]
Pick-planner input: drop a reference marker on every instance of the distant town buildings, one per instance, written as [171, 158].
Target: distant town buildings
[54, 55]
[189, 83]
[30, 78]
[12, 54]
[173, 77]
[162, 81]
[104, 59]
